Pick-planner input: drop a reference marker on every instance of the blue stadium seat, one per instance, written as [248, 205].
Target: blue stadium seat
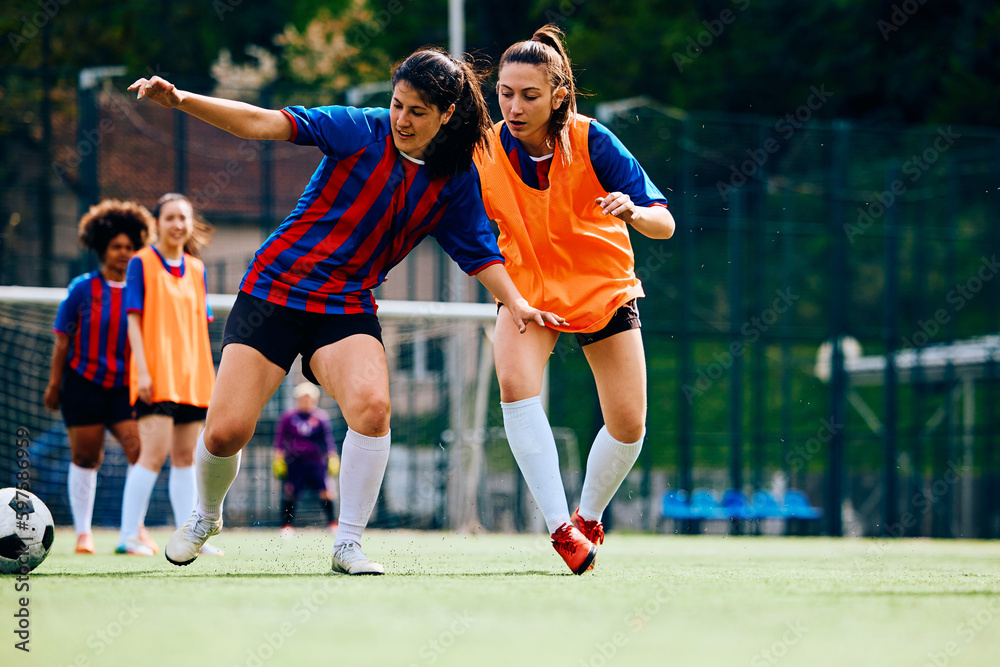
[736, 505]
[675, 505]
[765, 506]
[797, 506]
[705, 506]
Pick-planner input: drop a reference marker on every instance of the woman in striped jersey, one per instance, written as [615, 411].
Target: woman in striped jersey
[90, 361]
[389, 178]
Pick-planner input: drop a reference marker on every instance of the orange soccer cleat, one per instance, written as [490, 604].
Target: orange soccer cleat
[592, 530]
[84, 543]
[575, 549]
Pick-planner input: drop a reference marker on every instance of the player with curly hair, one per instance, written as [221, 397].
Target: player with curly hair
[89, 377]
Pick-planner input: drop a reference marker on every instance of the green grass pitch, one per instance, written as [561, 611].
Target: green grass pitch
[508, 600]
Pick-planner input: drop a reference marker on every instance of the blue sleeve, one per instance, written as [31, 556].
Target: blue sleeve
[464, 231]
[208, 306]
[135, 286]
[618, 170]
[337, 131]
[69, 310]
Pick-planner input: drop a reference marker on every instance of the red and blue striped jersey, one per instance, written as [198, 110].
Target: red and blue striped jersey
[135, 295]
[364, 210]
[616, 168]
[93, 317]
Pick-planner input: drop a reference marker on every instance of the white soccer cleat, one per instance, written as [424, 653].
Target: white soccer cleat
[348, 558]
[187, 541]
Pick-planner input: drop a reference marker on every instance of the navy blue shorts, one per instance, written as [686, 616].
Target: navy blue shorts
[180, 412]
[304, 475]
[86, 403]
[624, 319]
[281, 333]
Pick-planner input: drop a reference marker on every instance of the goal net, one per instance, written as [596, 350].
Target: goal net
[449, 466]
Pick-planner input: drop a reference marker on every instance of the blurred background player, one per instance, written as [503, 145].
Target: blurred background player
[380, 189]
[90, 360]
[166, 297]
[564, 191]
[304, 454]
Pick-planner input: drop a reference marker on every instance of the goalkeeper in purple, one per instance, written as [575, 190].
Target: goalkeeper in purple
[388, 179]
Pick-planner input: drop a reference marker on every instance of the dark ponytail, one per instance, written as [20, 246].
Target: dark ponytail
[546, 48]
[442, 81]
[201, 236]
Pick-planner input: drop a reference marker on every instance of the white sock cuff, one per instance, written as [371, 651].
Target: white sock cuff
[626, 447]
[143, 473]
[377, 443]
[521, 404]
[201, 453]
[79, 470]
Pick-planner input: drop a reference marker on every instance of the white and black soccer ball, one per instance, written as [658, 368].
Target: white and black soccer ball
[26, 531]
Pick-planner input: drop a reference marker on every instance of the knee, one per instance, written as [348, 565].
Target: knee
[515, 386]
[88, 461]
[371, 415]
[226, 437]
[628, 429]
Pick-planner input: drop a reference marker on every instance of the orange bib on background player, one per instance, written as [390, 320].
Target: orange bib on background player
[563, 255]
[175, 333]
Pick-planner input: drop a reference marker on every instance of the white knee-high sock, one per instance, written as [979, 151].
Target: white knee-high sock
[608, 464]
[215, 474]
[139, 483]
[534, 449]
[82, 483]
[183, 493]
[362, 466]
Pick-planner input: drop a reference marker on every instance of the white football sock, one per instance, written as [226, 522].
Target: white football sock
[183, 493]
[215, 474]
[534, 449]
[362, 466]
[608, 464]
[139, 483]
[82, 483]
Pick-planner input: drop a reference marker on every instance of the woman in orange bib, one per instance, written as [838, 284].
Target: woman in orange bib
[564, 191]
[172, 374]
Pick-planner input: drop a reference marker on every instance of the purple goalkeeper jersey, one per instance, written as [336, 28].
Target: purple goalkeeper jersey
[305, 436]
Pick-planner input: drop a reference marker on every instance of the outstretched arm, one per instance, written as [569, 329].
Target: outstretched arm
[495, 279]
[238, 118]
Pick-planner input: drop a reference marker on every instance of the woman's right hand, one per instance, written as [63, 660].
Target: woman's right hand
[51, 398]
[146, 388]
[158, 90]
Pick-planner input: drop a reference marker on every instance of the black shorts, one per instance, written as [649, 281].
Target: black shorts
[281, 333]
[624, 319]
[180, 412]
[86, 403]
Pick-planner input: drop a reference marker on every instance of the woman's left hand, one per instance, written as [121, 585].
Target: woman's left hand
[617, 204]
[524, 313]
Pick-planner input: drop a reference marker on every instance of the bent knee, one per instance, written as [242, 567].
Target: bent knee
[227, 438]
[370, 415]
[628, 430]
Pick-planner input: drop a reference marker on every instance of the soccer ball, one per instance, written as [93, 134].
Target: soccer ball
[26, 531]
